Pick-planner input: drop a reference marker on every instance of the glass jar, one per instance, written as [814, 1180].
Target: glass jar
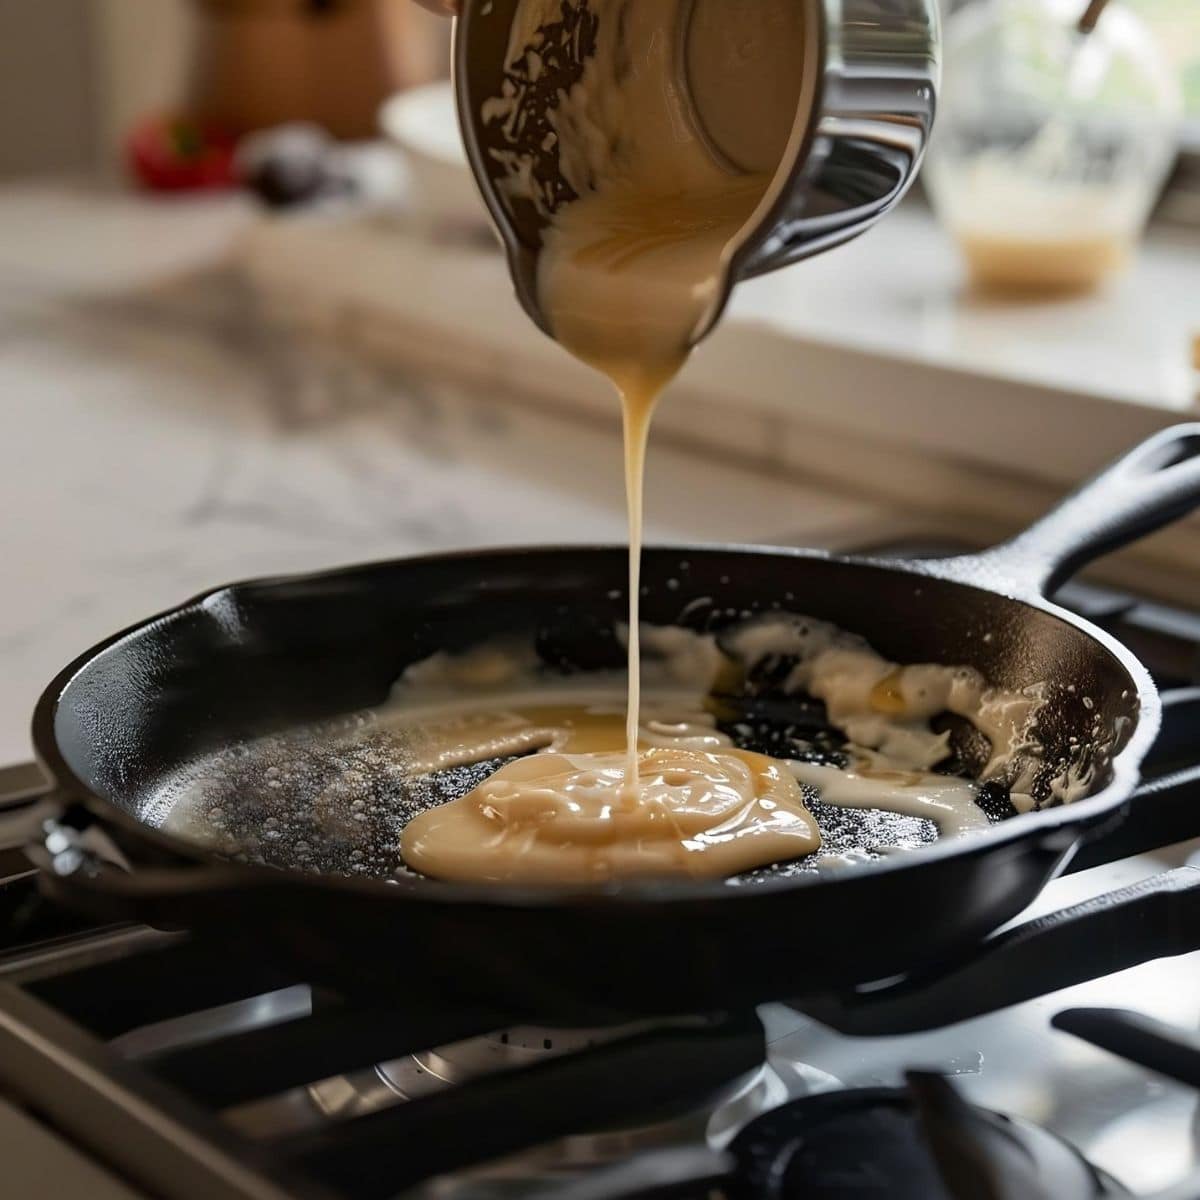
[1051, 146]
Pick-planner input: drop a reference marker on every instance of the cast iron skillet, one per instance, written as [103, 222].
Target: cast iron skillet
[260, 656]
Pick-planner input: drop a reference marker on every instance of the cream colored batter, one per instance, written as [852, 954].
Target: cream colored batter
[667, 145]
[704, 808]
[669, 142]
[884, 707]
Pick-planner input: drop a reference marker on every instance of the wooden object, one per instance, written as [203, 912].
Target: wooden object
[267, 62]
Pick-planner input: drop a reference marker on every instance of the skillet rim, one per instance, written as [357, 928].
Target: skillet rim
[1044, 827]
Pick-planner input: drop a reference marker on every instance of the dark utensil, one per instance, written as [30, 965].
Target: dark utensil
[256, 657]
[1091, 15]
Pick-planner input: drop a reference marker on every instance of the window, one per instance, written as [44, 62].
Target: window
[1177, 22]
[1177, 25]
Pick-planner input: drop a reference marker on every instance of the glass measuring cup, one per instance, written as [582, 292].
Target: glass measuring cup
[1052, 144]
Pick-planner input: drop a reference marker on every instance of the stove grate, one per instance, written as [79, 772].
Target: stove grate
[65, 1036]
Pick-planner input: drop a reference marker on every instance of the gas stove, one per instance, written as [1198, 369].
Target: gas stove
[1057, 1060]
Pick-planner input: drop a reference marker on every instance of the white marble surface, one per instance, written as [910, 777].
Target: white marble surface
[160, 436]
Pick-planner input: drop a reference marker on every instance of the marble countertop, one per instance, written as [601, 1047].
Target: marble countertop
[161, 436]
[901, 292]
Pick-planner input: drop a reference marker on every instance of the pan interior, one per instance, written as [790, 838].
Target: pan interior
[334, 798]
[274, 683]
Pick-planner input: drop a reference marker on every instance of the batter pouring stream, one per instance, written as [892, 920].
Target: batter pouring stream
[629, 272]
[631, 267]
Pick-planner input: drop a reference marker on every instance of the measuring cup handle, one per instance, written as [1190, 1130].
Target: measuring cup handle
[1151, 486]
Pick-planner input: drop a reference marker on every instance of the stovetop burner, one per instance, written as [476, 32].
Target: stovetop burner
[922, 1142]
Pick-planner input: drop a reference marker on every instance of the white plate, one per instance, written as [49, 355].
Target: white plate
[422, 122]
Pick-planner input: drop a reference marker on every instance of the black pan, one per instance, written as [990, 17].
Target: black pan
[257, 657]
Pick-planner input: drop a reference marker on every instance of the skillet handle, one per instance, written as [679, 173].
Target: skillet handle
[1151, 486]
[1153, 918]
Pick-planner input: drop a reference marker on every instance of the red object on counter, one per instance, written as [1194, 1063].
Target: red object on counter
[179, 153]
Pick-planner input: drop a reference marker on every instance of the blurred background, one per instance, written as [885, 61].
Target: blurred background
[252, 319]
[78, 74]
